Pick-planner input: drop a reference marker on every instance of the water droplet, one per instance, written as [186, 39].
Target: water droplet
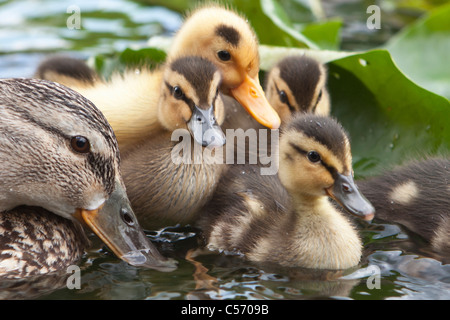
[362, 62]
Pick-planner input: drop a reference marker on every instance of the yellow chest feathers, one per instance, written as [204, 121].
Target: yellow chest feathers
[318, 238]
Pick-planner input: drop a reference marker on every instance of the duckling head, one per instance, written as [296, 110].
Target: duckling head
[316, 161]
[298, 84]
[225, 38]
[190, 99]
[58, 152]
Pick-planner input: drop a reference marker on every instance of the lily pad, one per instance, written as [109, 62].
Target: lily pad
[390, 118]
[422, 49]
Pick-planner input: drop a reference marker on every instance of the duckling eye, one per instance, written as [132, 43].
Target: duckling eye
[80, 144]
[177, 92]
[224, 55]
[283, 96]
[319, 96]
[313, 156]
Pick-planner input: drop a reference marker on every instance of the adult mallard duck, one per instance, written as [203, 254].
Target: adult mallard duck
[213, 32]
[60, 166]
[287, 218]
[416, 196]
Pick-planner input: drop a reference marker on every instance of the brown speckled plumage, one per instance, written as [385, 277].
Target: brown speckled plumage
[34, 241]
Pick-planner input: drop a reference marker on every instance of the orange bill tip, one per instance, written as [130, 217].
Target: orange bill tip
[251, 96]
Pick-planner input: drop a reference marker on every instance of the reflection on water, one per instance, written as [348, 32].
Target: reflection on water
[31, 29]
[401, 274]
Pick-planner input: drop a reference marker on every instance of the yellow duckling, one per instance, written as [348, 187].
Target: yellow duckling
[416, 196]
[60, 159]
[168, 178]
[128, 100]
[287, 218]
[295, 84]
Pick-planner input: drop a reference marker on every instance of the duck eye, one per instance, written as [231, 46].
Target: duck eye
[127, 217]
[313, 156]
[80, 144]
[177, 92]
[283, 96]
[224, 55]
[319, 96]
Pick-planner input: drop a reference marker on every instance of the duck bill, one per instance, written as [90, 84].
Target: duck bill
[116, 225]
[204, 128]
[251, 96]
[346, 193]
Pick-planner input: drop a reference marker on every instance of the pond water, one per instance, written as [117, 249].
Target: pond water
[393, 267]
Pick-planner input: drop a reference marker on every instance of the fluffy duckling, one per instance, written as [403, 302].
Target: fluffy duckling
[59, 154]
[416, 196]
[288, 218]
[298, 84]
[128, 100]
[169, 177]
[295, 84]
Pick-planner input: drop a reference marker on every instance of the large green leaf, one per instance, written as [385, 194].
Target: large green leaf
[324, 34]
[389, 117]
[422, 51]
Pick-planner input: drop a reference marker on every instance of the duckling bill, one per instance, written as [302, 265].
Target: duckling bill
[295, 84]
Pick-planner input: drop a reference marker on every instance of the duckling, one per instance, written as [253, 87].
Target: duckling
[298, 84]
[417, 197]
[174, 172]
[295, 84]
[127, 100]
[288, 218]
[59, 154]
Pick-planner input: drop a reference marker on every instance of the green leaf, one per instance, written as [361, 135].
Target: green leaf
[129, 58]
[390, 119]
[325, 34]
[276, 13]
[422, 49]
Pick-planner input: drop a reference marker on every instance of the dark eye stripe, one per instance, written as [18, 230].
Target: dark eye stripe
[317, 102]
[291, 108]
[184, 98]
[332, 170]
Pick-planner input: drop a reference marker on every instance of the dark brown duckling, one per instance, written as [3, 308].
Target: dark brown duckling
[417, 197]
